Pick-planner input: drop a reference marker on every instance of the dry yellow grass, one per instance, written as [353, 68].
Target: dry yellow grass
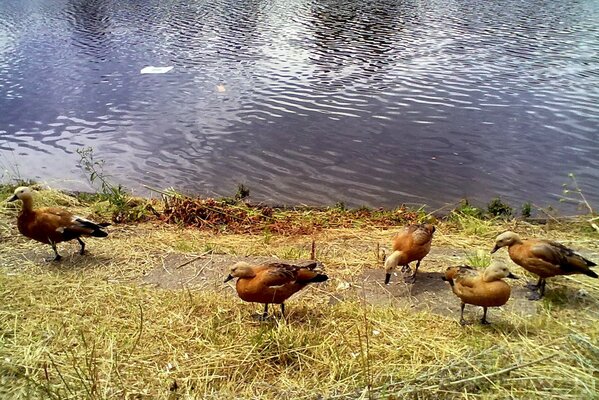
[91, 328]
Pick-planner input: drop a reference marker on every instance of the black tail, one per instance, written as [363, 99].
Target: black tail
[99, 233]
[319, 278]
[590, 263]
[590, 273]
[97, 228]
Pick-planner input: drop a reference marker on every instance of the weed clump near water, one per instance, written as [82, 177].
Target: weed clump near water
[499, 208]
[113, 199]
[227, 215]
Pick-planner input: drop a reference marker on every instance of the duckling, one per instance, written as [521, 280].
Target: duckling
[544, 258]
[413, 243]
[486, 289]
[53, 225]
[272, 282]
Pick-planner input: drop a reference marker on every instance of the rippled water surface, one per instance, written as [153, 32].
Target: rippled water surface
[305, 101]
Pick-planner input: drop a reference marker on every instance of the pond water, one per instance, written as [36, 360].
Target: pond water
[304, 101]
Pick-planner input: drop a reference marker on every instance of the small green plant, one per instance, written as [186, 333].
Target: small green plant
[498, 208]
[340, 206]
[526, 210]
[9, 170]
[291, 253]
[242, 192]
[267, 236]
[581, 200]
[574, 189]
[467, 209]
[120, 203]
[480, 259]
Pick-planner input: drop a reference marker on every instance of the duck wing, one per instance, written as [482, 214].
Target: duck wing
[452, 272]
[52, 219]
[559, 255]
[278, 274]
[467, 276]
[403, 239]
[422, 234]
[69, 225]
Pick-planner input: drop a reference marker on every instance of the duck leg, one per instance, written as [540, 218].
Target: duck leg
[82, 251]
[412, 278]
[462, 320]
[484, 318]
[58, 256]
[265, 313]
[283, 310]
[540, 292]
[533, 286]
[542, 288]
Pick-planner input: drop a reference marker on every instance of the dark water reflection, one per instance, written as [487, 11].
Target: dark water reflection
[367, 102]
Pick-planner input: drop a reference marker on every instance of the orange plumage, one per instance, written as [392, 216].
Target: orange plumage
[272, 282]
[544, 258]
[413, 243]
[52, 225]
[486, 289]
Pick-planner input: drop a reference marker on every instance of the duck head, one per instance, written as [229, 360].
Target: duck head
[21, 193]
[391, 263]
[505, 239]
[450, 273]
[430, 228]
[496, 272]
[241, 269]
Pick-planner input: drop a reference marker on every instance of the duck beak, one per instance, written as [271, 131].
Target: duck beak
[495, 249]
[229, 277]
[387, 278]
[512, 276]
[13, 198]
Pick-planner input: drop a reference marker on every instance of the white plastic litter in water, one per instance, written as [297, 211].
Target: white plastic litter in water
[155, 70]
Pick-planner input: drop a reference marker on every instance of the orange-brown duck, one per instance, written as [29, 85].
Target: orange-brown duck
[486, 289]
[53, 225]
[413, 243]
[544, 258]
[272, 283]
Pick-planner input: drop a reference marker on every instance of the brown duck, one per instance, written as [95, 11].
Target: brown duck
[413, 243]
[544, 258]
[272, 282]
[486, 289]
[53, 225]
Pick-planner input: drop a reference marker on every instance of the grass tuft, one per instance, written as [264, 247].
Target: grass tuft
[96, 326]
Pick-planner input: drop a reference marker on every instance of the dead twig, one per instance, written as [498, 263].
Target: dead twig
[194, 259]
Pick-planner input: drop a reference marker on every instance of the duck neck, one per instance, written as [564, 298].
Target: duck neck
[27, 205]
[515, 242]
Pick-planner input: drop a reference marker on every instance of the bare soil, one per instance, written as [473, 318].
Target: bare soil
[429, 292]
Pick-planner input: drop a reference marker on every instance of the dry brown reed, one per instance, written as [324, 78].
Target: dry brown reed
[241, 217]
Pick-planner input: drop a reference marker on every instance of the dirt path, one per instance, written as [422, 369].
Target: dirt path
[150, 254]
[429, 292]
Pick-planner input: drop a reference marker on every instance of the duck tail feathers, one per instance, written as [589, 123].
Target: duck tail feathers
[319, 278]
[99, 233]
[97, 228]
[591, 273]
[590, 263]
